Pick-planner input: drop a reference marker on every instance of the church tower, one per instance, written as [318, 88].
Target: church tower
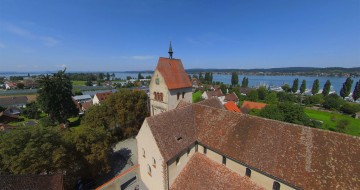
[169, 85]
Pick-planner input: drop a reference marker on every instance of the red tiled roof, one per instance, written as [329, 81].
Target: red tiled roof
[203, 173]
[182, 103]
[103, 96]
[86, 105]
[231, 106]
[32, 182]
[247, 106]
[173, 72]
[231, 97]
[308, 158]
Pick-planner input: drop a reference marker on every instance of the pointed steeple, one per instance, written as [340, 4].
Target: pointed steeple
[170, 51]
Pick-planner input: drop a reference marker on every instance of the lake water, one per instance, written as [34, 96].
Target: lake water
[254, 80]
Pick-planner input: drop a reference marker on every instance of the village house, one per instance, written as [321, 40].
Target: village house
[231, 106]
[169, 84]
[215, 93]
[82, 98]
[231, 97]
[10, 85]
[15, 101]
[247, 106]
[100, 97]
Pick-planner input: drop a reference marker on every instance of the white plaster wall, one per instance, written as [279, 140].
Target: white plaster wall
[214, 156]
[174, 169]
[173, 101]
[96, 100]
[146, 141]
[236, 167]
[161, 88]
[204, 95]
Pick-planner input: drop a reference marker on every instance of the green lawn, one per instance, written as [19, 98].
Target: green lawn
[196, 97]
[78, 83]
[330, 120]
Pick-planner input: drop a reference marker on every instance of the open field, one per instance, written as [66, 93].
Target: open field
[196, 97]
[78, 83]
[331, 119]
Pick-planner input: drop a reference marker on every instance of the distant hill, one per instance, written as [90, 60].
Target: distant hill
[281, 70]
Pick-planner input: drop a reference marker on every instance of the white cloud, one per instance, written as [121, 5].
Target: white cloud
[46, 40]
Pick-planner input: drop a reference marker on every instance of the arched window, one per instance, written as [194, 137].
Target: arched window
[183, 95]
[155, 97]
[143, 152]
[149, 170]
[178, 95]
[276, 185]
[154, 162]
[177, 160]
[161, 96]
[158, 96]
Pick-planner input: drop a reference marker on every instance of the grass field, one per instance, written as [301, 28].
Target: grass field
[331, 119]
[31, 97]
[78, 83]
[196, 97]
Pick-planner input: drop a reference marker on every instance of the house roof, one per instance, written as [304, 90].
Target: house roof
[82, 97]
[86, 105]
[32, 182]
[203, 173]
[248, 105]
[174, 73]
[182, 103]
[103, 96]
[215, 93]
[307, 158]
[13, 100]
[231, 97]
[231, 106]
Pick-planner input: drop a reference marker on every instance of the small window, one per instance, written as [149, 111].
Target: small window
[183, 95]
[196, 147]
[276, 185]
[143, 152]
[248, 172]
[205, 150]
[155, 97]
[188, 151]
[161, 96]
[149, 170]
[224, 160]
[154, 162]
[177, 160]
[178, 95]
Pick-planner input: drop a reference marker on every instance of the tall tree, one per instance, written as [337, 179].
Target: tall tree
[345, 90]
[140, 76]
[244, 83]
[303, 86]
[326, 89]
[234, 79]
[101, 76]
[211, 77]
[55, 97]
[356, 92]
[207, 77]
[295, 85]
[286, 88]
[107, 76]
[315, 88]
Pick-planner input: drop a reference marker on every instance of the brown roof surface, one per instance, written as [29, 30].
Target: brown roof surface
[215, 93]
[247, 106]
[86, 105]
[182, 103]
[231, 97]
[306, 157]
[203, 173]
[31, 182]
[13, 100]
[212, 102]
[103, 96]
[231, 106]
[174, 73]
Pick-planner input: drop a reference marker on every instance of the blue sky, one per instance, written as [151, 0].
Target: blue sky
[120, 35]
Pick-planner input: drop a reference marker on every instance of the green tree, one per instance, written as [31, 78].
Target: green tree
[333, 101]
[350, 108]
[346, 88]
[55, 97]
[303, 87]
[31, 111]
[356, 92]
[140, 76]
[252, 95]
[88, 83]
[107, 76]
[223, 88]
[272, 112]
[295, 85]
[342, 125]
[294, 113]
[207, 77]
[326, 89]
[262, 91]
[271, 98]
[20, 85]
[316, 86]
[234, 79]
[201, 77]
[211, 77]
[101, 76]
[286, 88]
[245, 82]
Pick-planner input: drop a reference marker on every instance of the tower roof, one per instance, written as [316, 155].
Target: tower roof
[170, 51]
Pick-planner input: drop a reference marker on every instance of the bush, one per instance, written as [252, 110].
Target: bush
[350, 108]
[341, 125]
[333, 102]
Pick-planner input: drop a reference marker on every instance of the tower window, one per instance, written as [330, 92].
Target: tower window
[178, 95]
[155, 97]
[224, 160]
[248, 172]
[143, 152]
[154, 162]
[149, 170]
[183, 95]
[276, 185]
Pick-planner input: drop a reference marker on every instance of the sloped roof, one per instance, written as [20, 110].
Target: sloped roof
[82, 97]
[305, 157]
[215, 93]
[103, 96]
[86, 105]
[32, 182]
[13, 100]
[231, 97]
[203, 173]
[248, 105]
[182, 103]
[212, 102]
[231, 106]
[174, 73]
